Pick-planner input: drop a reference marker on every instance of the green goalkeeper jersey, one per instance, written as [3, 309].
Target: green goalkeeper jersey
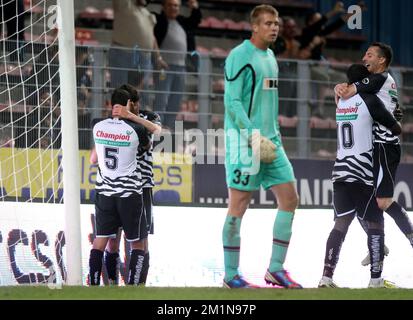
[251, 91]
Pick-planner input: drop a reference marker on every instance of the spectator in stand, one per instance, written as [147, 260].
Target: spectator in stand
[312, 39]
[172, 32]
[188, 114]
[6, 140]
[12, 16]
[287, 47]
[83, 78]
[288, 34]
[50, 119]
[312, 42]
[134, 43]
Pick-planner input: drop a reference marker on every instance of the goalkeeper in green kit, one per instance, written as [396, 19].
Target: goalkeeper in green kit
[254, 153]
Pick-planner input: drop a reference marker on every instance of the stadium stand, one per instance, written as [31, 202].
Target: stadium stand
[221, 28]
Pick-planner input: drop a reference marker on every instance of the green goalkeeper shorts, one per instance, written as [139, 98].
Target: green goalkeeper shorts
[247, 176]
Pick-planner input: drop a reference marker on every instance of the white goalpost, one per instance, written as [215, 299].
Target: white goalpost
[70, 143]
[40, 229]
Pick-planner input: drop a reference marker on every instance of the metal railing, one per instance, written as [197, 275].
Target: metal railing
[307, 107]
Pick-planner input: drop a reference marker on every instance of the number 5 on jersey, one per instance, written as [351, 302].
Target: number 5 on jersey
[111, 159]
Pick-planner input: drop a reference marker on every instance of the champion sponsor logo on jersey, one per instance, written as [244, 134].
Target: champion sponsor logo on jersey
[347, 110]
[114, 136]
[365, 80]
[270, 83]
[349, 113]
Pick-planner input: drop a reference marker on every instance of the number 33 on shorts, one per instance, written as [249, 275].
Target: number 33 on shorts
[240, 178]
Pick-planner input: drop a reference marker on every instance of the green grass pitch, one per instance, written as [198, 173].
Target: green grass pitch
[191, 293]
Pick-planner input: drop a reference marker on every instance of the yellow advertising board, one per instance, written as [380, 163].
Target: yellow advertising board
[30, 173]
[37, 173]
[174, 175]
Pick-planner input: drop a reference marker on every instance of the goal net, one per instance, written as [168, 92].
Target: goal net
[35, 78]
[30, 117]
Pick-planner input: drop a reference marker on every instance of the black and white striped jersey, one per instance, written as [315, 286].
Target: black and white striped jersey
[384, 86]
[144, 156]
[355, 118]
[116, 143]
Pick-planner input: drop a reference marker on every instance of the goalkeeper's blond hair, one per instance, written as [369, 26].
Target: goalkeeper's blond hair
[259, 10]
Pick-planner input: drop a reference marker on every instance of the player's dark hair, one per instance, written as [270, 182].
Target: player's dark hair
[120, 96]
[357, 72]
[133, 93]
[385, 51]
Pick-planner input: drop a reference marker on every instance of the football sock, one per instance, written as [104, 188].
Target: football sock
[399, 214]
[364, 224]
[145, 269]
[375, 243]
[333, 247]
[95, 267]
[112, 264]
[231, 241]
[135, 265]
[281, 239]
